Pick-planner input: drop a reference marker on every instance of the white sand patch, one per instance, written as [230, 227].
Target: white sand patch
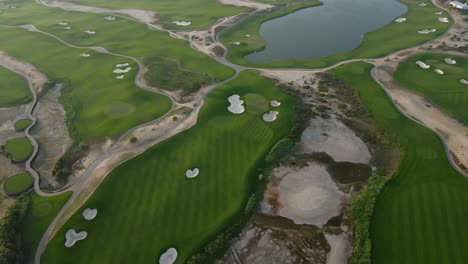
[450, 61]
[236, 43]
[309, 195]
[463, 81]
[120, 77]
[443, 19]
[62, 23]
[122, 70]
[67, 28]
[246, 3]
[120, 65]
[439, 71]
[439, 13]
[236, 106]
[89, 214]
[426, 31]
[340, 249]
[192, 173]
[182, 23]
[89, 31]
[168, 257]
[422, 4]
[109, 18]
[72, 237]
[275, 103]
[336, 139]
[247, 36]
[400, 19]
[85, 55]
[423, 65]
[270, 116]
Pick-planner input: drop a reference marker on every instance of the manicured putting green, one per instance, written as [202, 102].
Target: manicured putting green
[147, 204]
[19, 148]
[22, 124]
[420, 216]
[392, 37]
[17, 183]
[445, 91]
[14, 89]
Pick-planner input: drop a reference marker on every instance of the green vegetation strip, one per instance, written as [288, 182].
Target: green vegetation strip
[445, 91]
[392, 37]
[19, 149]
[22, 124]
[147, 205]
[420, 215]
[18, 183]
[14, 89]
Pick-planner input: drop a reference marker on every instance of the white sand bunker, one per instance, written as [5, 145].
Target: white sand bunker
[463, 81]
[72, 237]
[439, 71]
[182, 23]
[438, 13]
[450, 61]
[443, 19]
[236, 43]
[309, 196]
[422, 4]
[120, 77]
[236, 106]
[122, 70]
[423, 65]
[400, 19]
[62, 23]
[90, 32]
[85, 55]
[192, 173]
[168, 257]
[120, 65]
[109, 18]
[270, 116]
[67, 28]
[89, 214]
[247, 35]
[426, 31]
[340, 249]
[275, 103]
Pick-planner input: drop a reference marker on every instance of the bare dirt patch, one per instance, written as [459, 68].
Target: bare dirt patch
[28, 70]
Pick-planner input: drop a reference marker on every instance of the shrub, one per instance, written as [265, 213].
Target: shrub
[279, 150]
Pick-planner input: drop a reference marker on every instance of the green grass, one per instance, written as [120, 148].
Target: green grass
[147, 205]
[445, 91]
[14, 89]
[420, 216]
[102, 105]
[19, 148]
[40, 214]
[17, 183]
[166, 74]
[22, 124]
[201, 13]
[392, 37]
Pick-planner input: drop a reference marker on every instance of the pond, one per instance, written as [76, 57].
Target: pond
[335, 27]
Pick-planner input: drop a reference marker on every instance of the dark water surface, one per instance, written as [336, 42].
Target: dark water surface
[335, 27]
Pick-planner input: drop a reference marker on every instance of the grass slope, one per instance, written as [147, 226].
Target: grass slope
[40, 214]
[445, 90]
[100, 105]
[420, 216]
[392, 37]
[147, 205]
[22, 124]
[200, 12]
[19, 148]
[14, 89]
[17, 183]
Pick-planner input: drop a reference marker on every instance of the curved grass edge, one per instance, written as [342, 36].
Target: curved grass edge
[22, 124]
[26, 184]
[11, 149]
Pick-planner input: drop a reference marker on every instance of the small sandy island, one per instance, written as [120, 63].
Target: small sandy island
[192, 173]
[236, 106]
[89, 214]
[168, 257]
[72, 237]
[423, 65]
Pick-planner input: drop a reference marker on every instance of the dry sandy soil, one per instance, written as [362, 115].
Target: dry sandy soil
[246, 3]
[37, 78]
[51, 133]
